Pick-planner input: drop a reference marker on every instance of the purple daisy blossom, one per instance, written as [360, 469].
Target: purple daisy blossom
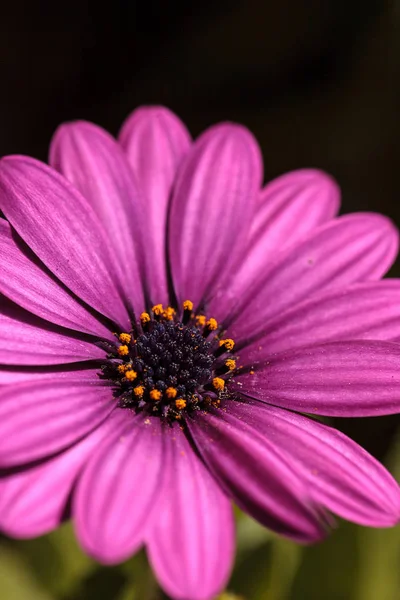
[164, 323]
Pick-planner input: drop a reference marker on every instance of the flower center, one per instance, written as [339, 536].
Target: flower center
[171, 364]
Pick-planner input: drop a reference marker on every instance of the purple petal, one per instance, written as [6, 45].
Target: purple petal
[28, 341]
[117, 491]
[191, 545]
[345, 379]
[290, 208]
[351, 249]
[62, 230]
[363, 311]
[257, 475]
[155, 141]
[43, 415]
[96, 165]
[33, 501]
[340, 474]
[211, 209]
[27, 282]
[294, 204]
[14, 374]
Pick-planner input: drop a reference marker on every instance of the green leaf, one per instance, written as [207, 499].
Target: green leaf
[283, 566]
[327, 569]
[17, 582]
[250, 534]
[379, 551]
[56, 559]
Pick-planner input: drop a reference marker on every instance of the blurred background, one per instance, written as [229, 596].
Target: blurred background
[318, 83]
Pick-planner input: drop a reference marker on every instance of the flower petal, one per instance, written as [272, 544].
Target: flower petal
[291, 207]
[211, 209]
[344, 379]
[41, 416]
[340, 474]
[27, 282]
[351, 249]
[116, 493]
[13, 374]
[191, 544]
[61, 229]
[363, 311]
[33, 502]
[257, 475]
[155, 141]
[25, 340]
[93, 161]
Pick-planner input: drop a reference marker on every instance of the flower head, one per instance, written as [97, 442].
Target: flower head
[165, 323]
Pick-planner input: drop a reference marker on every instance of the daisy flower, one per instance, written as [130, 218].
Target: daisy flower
[166, 322]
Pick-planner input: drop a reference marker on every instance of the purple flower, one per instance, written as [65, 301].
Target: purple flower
[165, 320]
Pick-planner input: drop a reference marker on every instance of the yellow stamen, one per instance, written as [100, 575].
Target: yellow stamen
[169, 313]
[145, 318]
[180, 403]
[122, 368]
[138, 391]
[158, 310]
[228, 343]
[231, 364]
[188, 305]
[123, 350]
[218, 383]
[171, 393]
[201, 320]
[212, 324]
[130, 375]
[125, 338]
[155, 395]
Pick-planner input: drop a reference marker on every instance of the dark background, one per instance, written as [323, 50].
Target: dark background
[317, 81]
